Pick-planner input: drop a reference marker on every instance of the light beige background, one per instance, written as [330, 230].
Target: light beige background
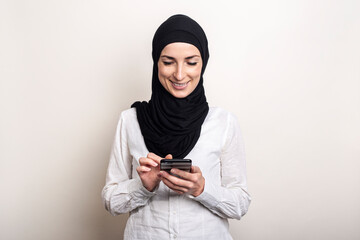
[288, 69]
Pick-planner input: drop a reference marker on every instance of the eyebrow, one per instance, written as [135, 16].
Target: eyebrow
[185, 58]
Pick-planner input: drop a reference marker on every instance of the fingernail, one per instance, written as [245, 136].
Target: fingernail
[154, 164]
[173, 170]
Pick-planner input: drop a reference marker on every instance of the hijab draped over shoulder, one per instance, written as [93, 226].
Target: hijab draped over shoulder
[168, 124]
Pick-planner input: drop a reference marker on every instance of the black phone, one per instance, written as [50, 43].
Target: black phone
[182, 164]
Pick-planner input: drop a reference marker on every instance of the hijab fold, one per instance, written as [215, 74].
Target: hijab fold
[168, 124]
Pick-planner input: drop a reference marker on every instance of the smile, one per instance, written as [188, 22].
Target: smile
[179, 86]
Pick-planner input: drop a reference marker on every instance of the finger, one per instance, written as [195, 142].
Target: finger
[169, 156]
[195, 169]
[185, 175]
[148, 162]
[176, 181]
[174, 187]
[141, 169]
[154, 157]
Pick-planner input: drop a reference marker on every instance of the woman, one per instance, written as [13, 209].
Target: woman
[177, 122]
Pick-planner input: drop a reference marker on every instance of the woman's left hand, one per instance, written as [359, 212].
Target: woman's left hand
[191, 183]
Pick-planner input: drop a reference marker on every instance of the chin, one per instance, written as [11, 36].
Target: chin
[180, 95]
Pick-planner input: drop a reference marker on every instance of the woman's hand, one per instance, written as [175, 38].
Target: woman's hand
[149, 169]
[192, 183]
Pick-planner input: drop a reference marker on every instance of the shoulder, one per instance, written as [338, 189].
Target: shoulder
[221, 115]
[128, 114]
[222, 124]
[127, 118]
[224, 120]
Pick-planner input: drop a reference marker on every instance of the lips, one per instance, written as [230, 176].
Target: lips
[179, 86]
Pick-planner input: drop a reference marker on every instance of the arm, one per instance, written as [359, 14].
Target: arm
[231, 199]
[122, 193]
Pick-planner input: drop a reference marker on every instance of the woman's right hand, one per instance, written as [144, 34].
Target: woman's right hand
[149, 169]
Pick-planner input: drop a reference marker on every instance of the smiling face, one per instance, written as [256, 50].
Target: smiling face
[179, 68]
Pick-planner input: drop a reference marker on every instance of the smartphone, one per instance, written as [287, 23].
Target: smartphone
[182, 164]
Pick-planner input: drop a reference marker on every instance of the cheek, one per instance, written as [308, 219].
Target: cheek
[162, 79]
[196, 73]
[161, 75]
[164, 72]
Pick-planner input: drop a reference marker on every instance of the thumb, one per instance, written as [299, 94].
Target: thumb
[169, 156]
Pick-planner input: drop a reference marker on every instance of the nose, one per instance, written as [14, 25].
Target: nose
[179, 72]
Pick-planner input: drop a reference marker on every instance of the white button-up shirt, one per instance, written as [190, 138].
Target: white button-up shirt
[165, 214]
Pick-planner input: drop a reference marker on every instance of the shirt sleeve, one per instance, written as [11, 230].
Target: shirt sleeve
[231, 199]
[122, 193]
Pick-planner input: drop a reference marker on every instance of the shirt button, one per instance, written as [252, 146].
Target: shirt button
[174, 212]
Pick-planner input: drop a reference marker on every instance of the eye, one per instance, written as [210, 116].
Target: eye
[167, 63]
[192, 63]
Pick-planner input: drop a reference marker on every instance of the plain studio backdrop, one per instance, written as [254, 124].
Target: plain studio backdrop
[289, 70]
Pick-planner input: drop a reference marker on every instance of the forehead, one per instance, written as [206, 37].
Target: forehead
[180, 49]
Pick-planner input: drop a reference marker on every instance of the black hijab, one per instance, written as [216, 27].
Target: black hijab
[168, 124]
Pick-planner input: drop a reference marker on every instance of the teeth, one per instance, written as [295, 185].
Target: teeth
[179, 84]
